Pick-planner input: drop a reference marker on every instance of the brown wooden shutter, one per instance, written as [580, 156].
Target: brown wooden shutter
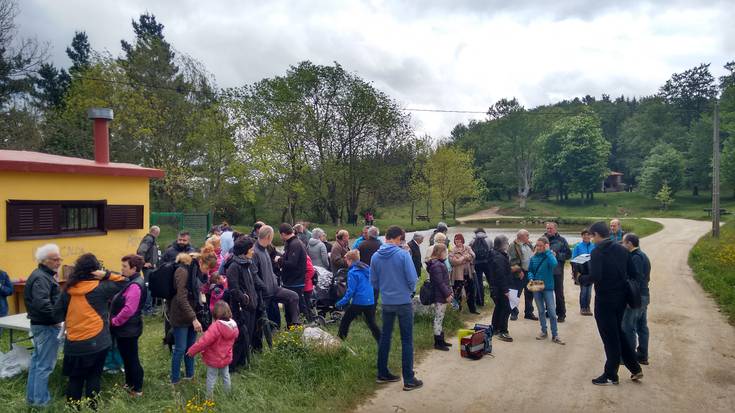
[124, 217]
[28, 219]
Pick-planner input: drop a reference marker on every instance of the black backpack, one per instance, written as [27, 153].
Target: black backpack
[426, 293]
[161, 281]
[481, 250]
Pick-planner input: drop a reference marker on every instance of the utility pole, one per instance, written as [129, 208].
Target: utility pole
[716, 172]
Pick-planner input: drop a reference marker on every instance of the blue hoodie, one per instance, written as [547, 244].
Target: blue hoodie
[543, 269]
[359, 288]
[393, 274]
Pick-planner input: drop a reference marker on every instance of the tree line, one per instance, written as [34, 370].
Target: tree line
[659, 142]
[317, 143]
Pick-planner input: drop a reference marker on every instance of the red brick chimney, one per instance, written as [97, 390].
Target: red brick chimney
[102, 118]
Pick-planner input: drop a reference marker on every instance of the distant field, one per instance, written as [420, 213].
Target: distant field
[622, 204]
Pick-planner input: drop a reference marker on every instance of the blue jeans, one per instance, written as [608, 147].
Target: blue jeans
[43, 360]
[404, 312]
[184, 338]
[546, 302]
[585, 297]
[635, 325]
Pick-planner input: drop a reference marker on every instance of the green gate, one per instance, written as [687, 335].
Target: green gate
[171, 223]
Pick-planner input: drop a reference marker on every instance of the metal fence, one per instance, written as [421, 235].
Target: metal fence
[197, 224]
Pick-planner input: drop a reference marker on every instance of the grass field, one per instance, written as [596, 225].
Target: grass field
[622, 204]
[289, 378]
[713, 263]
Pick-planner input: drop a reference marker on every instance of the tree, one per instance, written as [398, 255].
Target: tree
[664, 165]
[51, 86]
[452, 177]
[691, 92]
[80, 53]
[573, 156]
[342, 142]
[698, 163]
[20, 59]
[653, 123]
[727, 167]
[664, 196]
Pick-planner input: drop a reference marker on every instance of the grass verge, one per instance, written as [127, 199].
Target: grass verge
[713, 263]
[288, 378]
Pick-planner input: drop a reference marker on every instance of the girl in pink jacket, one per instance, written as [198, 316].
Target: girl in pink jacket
[216, 347]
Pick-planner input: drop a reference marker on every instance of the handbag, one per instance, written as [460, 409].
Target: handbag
[536, 286]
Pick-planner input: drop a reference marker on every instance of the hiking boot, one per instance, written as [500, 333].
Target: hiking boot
[542, 336]
[586, 312]
[441, 336]
[643, 362]
[514, 317]
[415, 384]
[558, 340]
[389, 378]
[474, 312]
[531, 317]
[605, 381]
[561, 319]
[439, 344]
[637, 376]
[505, 337]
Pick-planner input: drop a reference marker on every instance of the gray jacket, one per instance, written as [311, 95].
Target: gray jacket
[318, 253]
[265, 271]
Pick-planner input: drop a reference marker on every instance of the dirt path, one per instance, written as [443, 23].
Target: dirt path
[692, 355]
[481, 215]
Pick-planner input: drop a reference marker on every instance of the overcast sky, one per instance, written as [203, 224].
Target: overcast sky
[460, 54]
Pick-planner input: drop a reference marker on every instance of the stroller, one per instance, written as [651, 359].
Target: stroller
[329, 288]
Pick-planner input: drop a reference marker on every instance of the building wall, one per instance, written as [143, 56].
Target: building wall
[17, 256]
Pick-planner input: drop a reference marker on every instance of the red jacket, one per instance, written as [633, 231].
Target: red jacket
[309, 280]
[216, 344]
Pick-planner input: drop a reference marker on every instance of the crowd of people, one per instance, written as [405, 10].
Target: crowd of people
[232, 290]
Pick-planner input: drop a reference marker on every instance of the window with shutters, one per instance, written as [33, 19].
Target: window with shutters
[124, 217]
[52, 219]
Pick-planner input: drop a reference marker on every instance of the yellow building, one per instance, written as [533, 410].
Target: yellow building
[79, 204]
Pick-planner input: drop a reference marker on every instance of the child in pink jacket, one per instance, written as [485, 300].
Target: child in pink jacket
[216, 347]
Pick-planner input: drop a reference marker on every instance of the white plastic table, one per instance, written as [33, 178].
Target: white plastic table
[19, 322]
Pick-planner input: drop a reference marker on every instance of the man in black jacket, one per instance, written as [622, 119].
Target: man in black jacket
[182, 244]
[635, 320]
[148, 249]
[416, 251]
[293, 265]
[560, 247]
[273, 293]
[500, 283]
[41, 295]
[610, 268]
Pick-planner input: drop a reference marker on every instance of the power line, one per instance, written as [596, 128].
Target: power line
[214, 93]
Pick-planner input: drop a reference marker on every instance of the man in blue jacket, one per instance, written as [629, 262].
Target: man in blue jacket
[360, 296]
[393, 274]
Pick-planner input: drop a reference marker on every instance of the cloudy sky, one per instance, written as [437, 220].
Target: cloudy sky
[432, 54]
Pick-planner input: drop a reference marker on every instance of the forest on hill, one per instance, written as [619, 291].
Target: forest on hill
[320, 143]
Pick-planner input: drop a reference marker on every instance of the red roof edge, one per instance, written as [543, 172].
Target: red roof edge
[26, 161]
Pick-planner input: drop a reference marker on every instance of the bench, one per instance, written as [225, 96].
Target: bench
[723, 211]
[423, 218]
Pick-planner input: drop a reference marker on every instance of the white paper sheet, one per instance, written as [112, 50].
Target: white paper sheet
[513, 298]
[581, 259]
